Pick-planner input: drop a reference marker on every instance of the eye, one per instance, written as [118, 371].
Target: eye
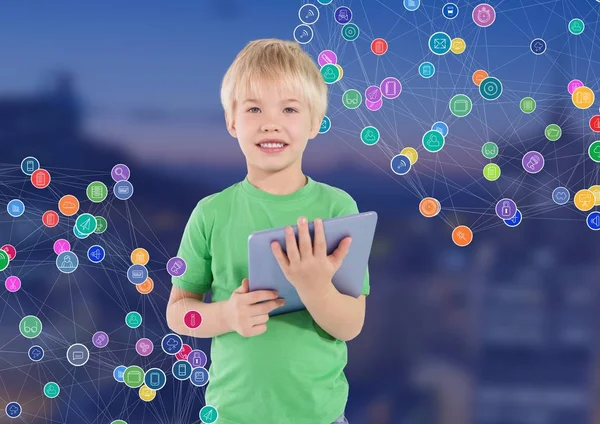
[290, 108]
[253, 109]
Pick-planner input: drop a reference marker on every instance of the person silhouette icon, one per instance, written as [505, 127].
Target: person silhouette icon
[67, 262]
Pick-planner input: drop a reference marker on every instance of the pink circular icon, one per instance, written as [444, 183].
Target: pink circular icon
[144, 347]
[373, 106]
[573, 85]
[10, 251]
[484, 15]
[390, 88]
[327, 56]
[61, 245]
[373, 93]
[182, 355]
[12, 284]
[193, 319]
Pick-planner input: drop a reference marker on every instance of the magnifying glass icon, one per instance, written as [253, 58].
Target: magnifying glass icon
[119, 172]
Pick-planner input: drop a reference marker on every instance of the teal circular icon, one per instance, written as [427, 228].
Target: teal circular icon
[324, 2]
[51, 390]
[155, 378]
[460, 105]
[527, 105]
[440, 43]
[369, 135]
[86, 223]
[576, 26]
[325, 125]
[4, 260]
[352, 98]
[489, 150]
[330, 73]
[133, 319]
[433, 141]
[553, 132]
[208, 414]
[350, 32]
[490, 88]
[30, 326]
[426, 69]
[29, 165]
[67, 262]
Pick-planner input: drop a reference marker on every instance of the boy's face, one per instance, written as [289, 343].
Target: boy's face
[277, 118]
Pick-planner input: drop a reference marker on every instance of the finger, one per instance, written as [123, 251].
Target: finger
[259, 319]
[244, 288]
[266, 307]
[280, 255]
[342, 250]
[258, 329]
[290, 245]
[304, 241]
[261, 296]
[320, 244]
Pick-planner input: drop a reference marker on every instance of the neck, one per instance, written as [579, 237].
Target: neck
[283, 182]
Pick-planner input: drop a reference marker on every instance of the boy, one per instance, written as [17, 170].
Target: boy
[286, 369]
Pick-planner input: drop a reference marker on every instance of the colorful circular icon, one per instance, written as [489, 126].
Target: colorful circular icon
[15, 208]
[351, 99]
[78, 354]
[146, 287]
[199, 377]
[101, 225]
[400, 164]
[583, 97]
[533, 162]
[412, 5]
[86, 223]
[515, 220]
[441, 127]
[4, 260]
[460, 105]
[440, 43]
[584, 200]
[155, 378]
[341, 71]
[13, 284]
[133, 376]
[10, 250]
[96, 191]
[171, 344]
[426, 69]
[379, 46]
[373, 106]
[373, 93]
[67, 262]
[553, 132]
[137, 274]
[181, 370]
[308, 13]
[330, 73]
[324, 2]
[593, 221]
[192, 319]
[79, 234]
[35, 353]
[96, 253]
[197, 358]
[146, 394]
[478, 76]
[342, 15]
[133, 319]
[123, 190]
[100, 339]
[40, 178]
[490, 88]
[303, 34]
[506, 208]
[61, 245]
[596, 190]
[484, 15]
[458, 46]
[120, 172]
[429, 207]
[30, 326]
[183, 352]
[50, 219]
[390, 88]
[208, 414]
[527, 105]
[462, 236]
[411, 154]
[51, 390]
[594, 151]
[327, 56]
[576, 26]
[29, 165]
[68, 205]
[561, 195]
[489, 150]
[118, 422]
[350, 32]
[369, 135]
[13, 409]
[538, 46]
[491, 172]
[119, 373]
[325, 125]
[176, 266]
[450, 11]
[140, 256]
[595, 123]
[433, 141]
[144, 347]
[574, 85]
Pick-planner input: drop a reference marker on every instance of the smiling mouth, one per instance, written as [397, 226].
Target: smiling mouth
[272, 146]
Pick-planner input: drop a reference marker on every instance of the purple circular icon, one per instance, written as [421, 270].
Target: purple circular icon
[12, 284]
[176, 266]
[327, 57]
[144, 347]
[373, 106]
[120, 172]
[573, 85]
[373, 93]
[61, 245]
[100, 339]
[484, 15]
[533, 162]
[197, 358]
[390, 88]
[506, 209]
[343, 15]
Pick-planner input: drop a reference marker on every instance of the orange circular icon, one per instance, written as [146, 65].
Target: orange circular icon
[379, 46]
[140, 256]
[462, 236]
[584, 200]
[50, 219]
[40, 178]
[429, 207]
[68, 205]
[478, 76]
[146, 287]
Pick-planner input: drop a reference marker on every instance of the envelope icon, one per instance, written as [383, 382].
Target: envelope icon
[439, 43]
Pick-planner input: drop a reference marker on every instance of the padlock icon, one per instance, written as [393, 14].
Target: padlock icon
[505, 208]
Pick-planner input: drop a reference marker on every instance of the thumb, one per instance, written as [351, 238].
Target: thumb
[244, 287]
[342, 250]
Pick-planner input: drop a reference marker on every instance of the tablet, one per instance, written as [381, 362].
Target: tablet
[264, 272]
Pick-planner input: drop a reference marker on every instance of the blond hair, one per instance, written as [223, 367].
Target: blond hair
[271, 60]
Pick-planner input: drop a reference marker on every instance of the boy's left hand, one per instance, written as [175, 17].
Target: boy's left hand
[306, 267]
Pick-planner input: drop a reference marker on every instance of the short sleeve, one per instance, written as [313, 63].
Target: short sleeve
[194, 250]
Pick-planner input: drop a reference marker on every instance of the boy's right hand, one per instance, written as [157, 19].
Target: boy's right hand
[245, 315]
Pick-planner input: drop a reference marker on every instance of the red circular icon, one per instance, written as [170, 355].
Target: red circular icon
[182, 355]
[193, 319]
[50, 219]
[40, 178]
[10, 251]
[595, 123]
[379, 46]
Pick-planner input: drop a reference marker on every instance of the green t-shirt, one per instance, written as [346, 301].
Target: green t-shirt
[294, 372]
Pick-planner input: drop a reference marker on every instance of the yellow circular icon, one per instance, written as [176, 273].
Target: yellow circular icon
[584, 200]
[341, 72]
[583, 97]
[458, 46]
[146, 393]
[140, 256]
[596, 190]
[411, 153]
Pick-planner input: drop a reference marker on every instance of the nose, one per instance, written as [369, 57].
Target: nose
[269, 124]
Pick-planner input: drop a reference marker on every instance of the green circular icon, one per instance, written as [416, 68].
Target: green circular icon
[51, 390]
[101, 225]
[489, 150]
[576, 26]
[528, 104]
[352, 98]
[133, 376]
[433, 141]
[208, 414]
[491, 172]
[369, 135]
[330, 73]
[350, 32]
[490, 88]
[553, 132]
[30, 326]
[4, 260]
[97, 191]
[86, 223]
[594, 151]
[133, 319]
[460, 105]
[118, 422]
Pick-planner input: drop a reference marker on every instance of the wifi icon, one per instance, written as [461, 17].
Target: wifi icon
[303, 34]
[308, 14]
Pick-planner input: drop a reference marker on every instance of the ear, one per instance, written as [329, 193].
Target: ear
[315, 129]
[230, 126]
